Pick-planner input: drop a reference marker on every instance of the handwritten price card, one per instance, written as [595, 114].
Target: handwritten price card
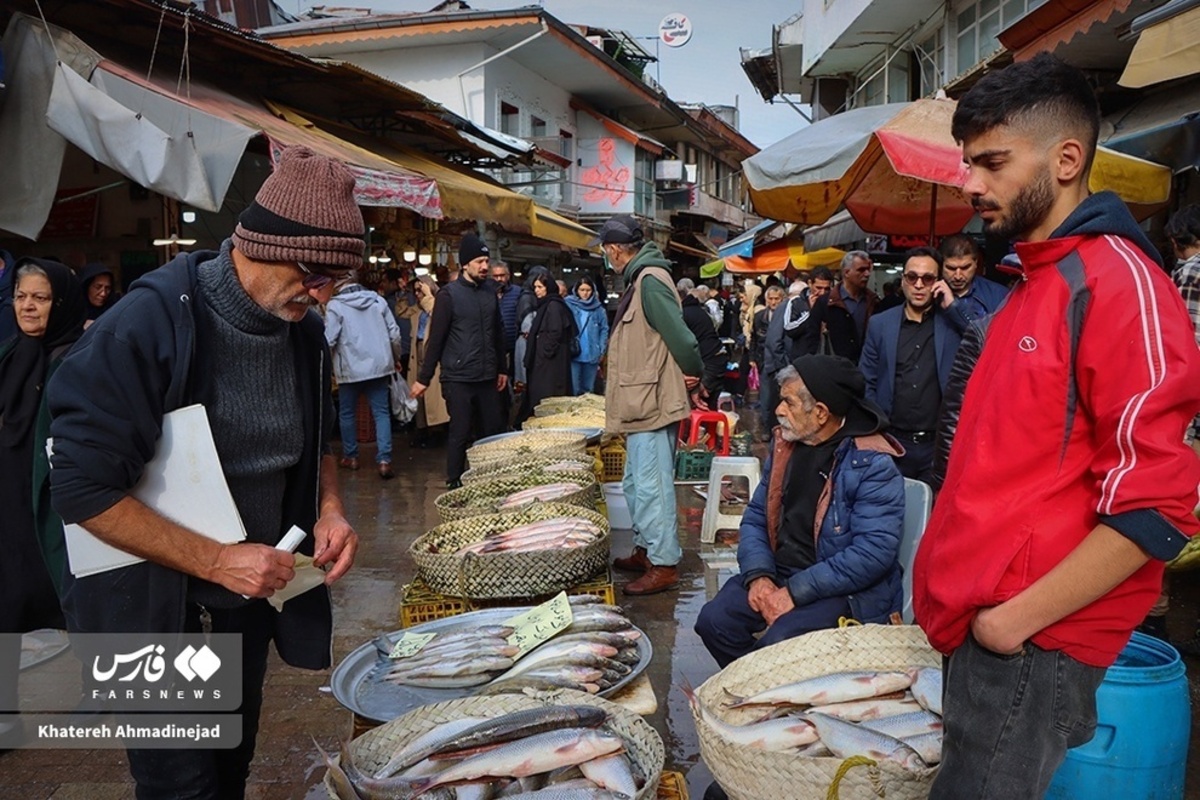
[410, 644]
[540, 623]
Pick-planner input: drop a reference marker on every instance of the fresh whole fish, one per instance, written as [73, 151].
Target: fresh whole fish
[845, 739]
[554, 649]
[541, 752]
[544, 493]
[421, 746]
[571, 672]
[904, 726]
[585, 623]
[612, 639]
[927, 688]
[776, 735]
[452, 674]
[875, 708]
[520, 724]
[538, 684]
[557, 793]
[815, 750]
[838, 687]
[928, 745]
[611, 772]
[490, 647]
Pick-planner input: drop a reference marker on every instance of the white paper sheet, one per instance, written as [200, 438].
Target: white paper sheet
[183, 482]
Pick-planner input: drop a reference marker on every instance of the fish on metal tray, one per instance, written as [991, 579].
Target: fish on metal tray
[927, 688]
[903, 726]
[837, 687]
[538, 683]
[776, 735]
[541, 752]
[845, 739]
[554, 651]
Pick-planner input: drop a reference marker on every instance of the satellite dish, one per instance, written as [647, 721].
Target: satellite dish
[675, 30]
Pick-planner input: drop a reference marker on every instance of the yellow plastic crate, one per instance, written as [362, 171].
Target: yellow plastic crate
[672, 786]
[612, 456]
[419, 603]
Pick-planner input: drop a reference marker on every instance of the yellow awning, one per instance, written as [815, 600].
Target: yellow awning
[1170, 49]
[554, 227]
[1143, 185]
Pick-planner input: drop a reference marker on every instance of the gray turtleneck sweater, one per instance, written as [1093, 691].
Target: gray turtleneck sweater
[255, 413]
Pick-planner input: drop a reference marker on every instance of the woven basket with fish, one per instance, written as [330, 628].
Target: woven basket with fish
[533, 443]
[512, 492]
[624, 736]
[511, 573]
[560, 405]
[519, 465]
[577, 418]
[751, 772]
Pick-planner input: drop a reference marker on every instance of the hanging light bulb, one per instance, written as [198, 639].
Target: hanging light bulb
[410, 255]
[384, 258]
[425, 259]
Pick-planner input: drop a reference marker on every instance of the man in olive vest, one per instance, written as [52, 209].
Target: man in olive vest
[653, 366]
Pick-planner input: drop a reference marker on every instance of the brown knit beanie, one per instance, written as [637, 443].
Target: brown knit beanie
[305, 211]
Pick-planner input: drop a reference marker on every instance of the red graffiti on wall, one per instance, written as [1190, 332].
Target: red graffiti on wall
[604, 182]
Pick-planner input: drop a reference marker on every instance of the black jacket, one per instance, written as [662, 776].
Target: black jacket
[712, 349]
[466, 334]
[758, 338]
[844, 337]
[107, 401]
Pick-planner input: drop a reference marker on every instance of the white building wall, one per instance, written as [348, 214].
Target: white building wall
[825, 21]
[433, 72]
[535, 96]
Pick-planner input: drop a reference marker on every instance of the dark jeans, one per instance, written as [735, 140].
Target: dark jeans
[768, 399]
[470, 405]
[214, 774]
[917, 461]
[727, 624]
[1009, 720]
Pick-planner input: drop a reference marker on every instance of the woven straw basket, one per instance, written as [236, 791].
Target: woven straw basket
[561, 405]
[484, 497]
[748, 773]
[540, 443]
[507, 575]
[579, 418]
[643, 745]
[525, 464]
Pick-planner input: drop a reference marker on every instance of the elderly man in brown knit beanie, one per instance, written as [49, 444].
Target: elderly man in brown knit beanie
[235, 331]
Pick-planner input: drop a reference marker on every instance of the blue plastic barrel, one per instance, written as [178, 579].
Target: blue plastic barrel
[1141, 743]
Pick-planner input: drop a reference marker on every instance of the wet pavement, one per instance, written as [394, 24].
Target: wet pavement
[388, 516]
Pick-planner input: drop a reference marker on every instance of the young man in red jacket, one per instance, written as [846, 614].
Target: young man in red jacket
[1069, 484]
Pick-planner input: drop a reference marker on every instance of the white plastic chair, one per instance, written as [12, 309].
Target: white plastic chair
[918, 502]
[724, 467]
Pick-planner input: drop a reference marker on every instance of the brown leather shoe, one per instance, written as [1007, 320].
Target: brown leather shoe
[637, 561]
[348, 463]
[385, 470]
[657, 579]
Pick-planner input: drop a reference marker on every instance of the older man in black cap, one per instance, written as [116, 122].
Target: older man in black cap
[466, 335]
[653, 367]
[820, 537]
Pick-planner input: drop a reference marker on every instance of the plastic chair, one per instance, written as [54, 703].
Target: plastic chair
[918, 502]
[725, 402]
[713, 425]
[724, 467]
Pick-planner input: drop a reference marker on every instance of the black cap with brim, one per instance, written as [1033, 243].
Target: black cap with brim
[621, 229]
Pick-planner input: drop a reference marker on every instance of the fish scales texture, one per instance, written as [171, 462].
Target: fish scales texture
[927, 688]
[611, 772]
[846, 739]
[838, 687]
[526, 722]
[862, 710]
[421, 746]
[903, 726]
[541, 752]
[776, 735]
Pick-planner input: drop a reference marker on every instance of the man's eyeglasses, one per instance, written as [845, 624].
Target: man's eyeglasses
[319, 280]
[913, 279]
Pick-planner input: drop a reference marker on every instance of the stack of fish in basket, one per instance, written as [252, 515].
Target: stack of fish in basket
[518, 534]
[561, 744]
[853, 712]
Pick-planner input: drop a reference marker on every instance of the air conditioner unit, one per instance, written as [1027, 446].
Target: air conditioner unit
[668, 170]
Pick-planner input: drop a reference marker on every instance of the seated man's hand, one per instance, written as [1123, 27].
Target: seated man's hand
[760, 589]
[253, 570]
[778, 603]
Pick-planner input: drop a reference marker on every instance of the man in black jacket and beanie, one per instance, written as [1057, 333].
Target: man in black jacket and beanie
[466, 335]
[236, 331]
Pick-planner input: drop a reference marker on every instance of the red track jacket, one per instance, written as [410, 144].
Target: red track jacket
[1074, 416]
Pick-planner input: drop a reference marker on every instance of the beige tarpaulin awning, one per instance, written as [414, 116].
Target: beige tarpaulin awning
[1170, 49]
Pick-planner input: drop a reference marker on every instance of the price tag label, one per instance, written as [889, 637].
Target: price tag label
[538, 624]
[410, 644]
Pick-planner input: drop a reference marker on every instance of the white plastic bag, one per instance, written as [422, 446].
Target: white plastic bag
[404, 407]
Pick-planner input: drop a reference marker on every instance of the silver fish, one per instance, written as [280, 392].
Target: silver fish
[903, 726]
[928, 745]
[538, 753]
[539, 683]
[927, 688]
[463, 667]
[521, 724]
[860, 710]
[776, 735]
[421, 746]
[845, 739]
[554, 650]
[815, 750]
[556, 793]
[611, 772]
[838, 687]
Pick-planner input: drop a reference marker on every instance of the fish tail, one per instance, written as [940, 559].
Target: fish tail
[734, 700]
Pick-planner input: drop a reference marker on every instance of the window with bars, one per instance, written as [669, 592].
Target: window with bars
[931, 62]
[979, 22]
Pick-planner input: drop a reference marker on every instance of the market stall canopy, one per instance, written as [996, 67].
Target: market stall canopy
[896, 169]
[1167, 48]
[778, 255]
[743, 244]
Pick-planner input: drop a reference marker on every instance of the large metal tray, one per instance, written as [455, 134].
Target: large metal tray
[383, 701]
[592, 434]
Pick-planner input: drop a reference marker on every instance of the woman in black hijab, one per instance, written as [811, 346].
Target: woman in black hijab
[97, 282]
[49, 306]
[548, 354]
